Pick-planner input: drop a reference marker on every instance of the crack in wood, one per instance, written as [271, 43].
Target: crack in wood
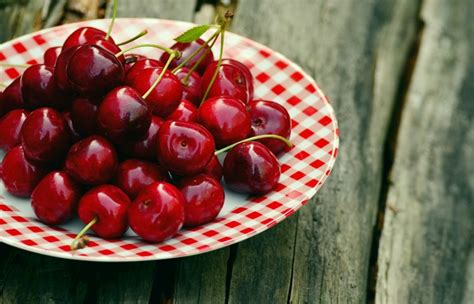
[230, 267]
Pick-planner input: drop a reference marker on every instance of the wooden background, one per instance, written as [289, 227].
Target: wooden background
[394, 222]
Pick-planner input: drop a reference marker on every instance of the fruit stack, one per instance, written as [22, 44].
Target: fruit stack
[125, 140]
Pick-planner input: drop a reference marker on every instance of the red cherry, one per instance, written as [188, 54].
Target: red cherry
[232, 80]
[131, 59]
[192, 88]
[108, 205]
[83, 36]
[214, 168]
[20, 175]
[134, 175]
[84, 116]
[55, 198]
[74, 135]
[269, 117]
[109, 46]
[93, 71]
[10, 127]
[138, 67]
[51, 55]
[186, 111]
[123, 114]
[251, 167]
[11, 98]
[39, 88]
[203, 199]
[92, 160]
[157, 213]
[185, 148]
[165, 97]
[226, 118]
[45, 135]
[60, 69]
[144, 148]
[186, 49]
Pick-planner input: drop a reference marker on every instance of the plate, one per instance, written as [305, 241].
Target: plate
[305, 167]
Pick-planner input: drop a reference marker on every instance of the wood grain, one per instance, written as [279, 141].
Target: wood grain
[20, 17]
[165, 9]
[427, 244]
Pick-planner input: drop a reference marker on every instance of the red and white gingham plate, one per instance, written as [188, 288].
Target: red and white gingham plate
[304, 169]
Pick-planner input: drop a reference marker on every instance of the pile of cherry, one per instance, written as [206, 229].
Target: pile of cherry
[124, 140]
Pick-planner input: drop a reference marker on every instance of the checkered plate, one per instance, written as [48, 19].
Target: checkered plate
[304, 168]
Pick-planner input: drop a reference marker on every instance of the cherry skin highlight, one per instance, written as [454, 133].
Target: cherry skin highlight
[84, 35]
[192, 89]
[74, 135]
[51, 55]
[186, 49]
[10, 127]
[139, 66]
[60, 69]
[213, 168]
[186, 111]
[144, 148]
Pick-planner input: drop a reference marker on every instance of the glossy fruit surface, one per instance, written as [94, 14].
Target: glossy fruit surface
[141, 64]
[192, 89]
[157, 213]
[83, 36]
[11, 98]
[84, 116]
[10, 127]
[186, 111]
[203, 199]
[251, 167]
[54, 199]
[51, 55]
[60, 69]
[108, 204]
[144, 148]
[186, 50]
[75, 136]
[213, 168]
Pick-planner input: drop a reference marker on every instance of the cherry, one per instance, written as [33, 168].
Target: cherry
[186, 50]
[134, 175]
[12, 97]
[60, 69]
[123, 114]
[213, 168]
[10, 127]
[20, 175]
[269, 117]
[45, 135]
[251, 167]
[39, 88]
[106, 207]
[186, 111]
[137, 68]
[109, 46]
[51, 55]
[83, 36]
[191, 86]
[165, 97]
[157, 213]
[203, 199]
[84, 116]
[92, 160]
[232, 80]
[93, 71]
[144, 148]
[55, 198]
[72, 131]
[185, 148]
[226, 118]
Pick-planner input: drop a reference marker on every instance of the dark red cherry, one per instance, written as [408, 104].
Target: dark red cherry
[243, 68]
[203, 199]
[213, 168]
[192, 90]
[45, 135]
[134, 175]
[84, 116]
[232, 80]
[186, 111]
[75, 136]
[108, 205]
[226, 118]
[157, 213]
[84, 35]
[139, 66]
[109, 46]
[92, 160]
[250, 167]
[130, 60]
[10, 127]
[11, 98]
[20, 176]
[60, 69]
[165, 97]
[55, 198]
[269, 117]
[51, 55]
[39, 88]
[93, 71]
[185, 148]
[186, 49]
[144, 148]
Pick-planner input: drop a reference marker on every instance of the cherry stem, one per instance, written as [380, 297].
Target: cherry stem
[156, 46]
[219, 62]
[197, 63]
[253, 138]
[75, 242]
[157, 81]
[114, 15]
[141, 34]
[13, 65]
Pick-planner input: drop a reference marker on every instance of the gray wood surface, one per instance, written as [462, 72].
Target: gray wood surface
[165, 9]
[428, 237]
[19, 17]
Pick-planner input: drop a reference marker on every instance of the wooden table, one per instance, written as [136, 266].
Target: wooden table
[394, 222]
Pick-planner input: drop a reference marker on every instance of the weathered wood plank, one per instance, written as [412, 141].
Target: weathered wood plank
[359, 69]
[427, 245]
[20, 17]
[165, 9]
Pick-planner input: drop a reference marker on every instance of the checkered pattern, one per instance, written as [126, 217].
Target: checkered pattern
[304, 168]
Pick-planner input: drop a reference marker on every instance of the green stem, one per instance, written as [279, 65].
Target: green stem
[75, 242]
[141, 34]
[114, 14]
[219, 62]
[197, 63]
[156, 46]
[157, 81]
[13, 65]
[253, 138]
